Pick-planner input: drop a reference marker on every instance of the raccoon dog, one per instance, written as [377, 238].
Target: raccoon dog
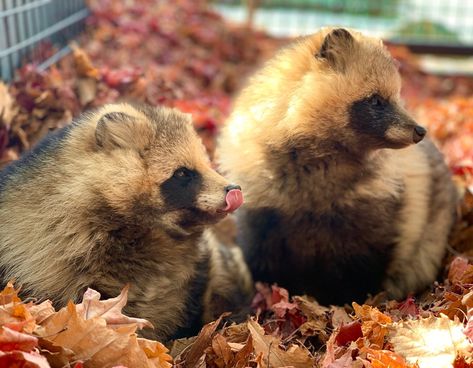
[344, 197]
[123, 195]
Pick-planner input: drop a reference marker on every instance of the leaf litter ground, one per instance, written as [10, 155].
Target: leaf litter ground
[195, 61]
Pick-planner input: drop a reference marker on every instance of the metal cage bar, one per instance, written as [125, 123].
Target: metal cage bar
[429, 25]
[25, 25]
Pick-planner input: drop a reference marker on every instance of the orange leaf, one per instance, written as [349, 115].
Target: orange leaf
[14, 340]
[386, 359]
[374, 324]
[9, 294]
[22, 359]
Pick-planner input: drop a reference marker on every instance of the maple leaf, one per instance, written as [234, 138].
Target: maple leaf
[22, 359]
[460, 272]
[272, 354]
[431, 342]
[93, 341]
[14, 314]
[387, 359]
[110, 309]
[13, 340]
[9, 294]
[374, 324]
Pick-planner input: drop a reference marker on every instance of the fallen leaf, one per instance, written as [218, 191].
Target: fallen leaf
[374, 324]
[203, 340]
[13, 340]
[110, 309]
[460, 271]
[83, 64]
[13, 359]
[242, 357]
[272, 354]
[222, 350]
[387, 359]
[348, 333]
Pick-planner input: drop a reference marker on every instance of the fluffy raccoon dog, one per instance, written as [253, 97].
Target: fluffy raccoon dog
[125, 194]
[343, 195]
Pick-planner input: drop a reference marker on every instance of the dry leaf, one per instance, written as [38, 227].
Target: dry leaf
[203, 340]
[272, 355]
[14, 340]
[83, 64]
[222, 350]
[432, 342]
[374, 324]
[386, 359]
[460, 272]
[110, 309]
[13, 359]
[242, 357]
[156, 352]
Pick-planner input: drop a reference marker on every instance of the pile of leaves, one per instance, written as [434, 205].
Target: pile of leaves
[175, 53]
[94, 333]
[181, 54]
[436, 331]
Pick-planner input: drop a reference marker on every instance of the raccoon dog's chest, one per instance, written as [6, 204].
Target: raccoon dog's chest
[344, 253]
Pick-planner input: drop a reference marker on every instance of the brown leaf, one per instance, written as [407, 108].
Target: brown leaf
[222, 350]
[94, 342]
[109, 309]
[57, 356]
[42, 311]
[272, 354]
[460, 272]
[241, 358]
[204, 339]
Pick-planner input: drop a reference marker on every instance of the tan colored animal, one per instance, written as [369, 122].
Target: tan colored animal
[123, 195]
[340, 200]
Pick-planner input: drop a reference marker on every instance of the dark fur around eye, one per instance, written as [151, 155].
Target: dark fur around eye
[377, 101]
[372, 115]
[183, 173]
[182, 188]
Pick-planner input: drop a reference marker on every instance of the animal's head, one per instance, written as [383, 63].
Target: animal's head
[345, 87]
[157, 171]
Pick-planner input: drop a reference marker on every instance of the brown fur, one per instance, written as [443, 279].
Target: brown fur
[332, 205]
[86, 209]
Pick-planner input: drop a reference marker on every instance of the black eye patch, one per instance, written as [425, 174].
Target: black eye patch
[372, 115]
[182, 188]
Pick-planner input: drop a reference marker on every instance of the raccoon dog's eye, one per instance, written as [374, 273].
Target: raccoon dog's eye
[183, 173]
[376, 100]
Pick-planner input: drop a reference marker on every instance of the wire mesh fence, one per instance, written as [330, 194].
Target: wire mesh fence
[422, 22]
[37, 30]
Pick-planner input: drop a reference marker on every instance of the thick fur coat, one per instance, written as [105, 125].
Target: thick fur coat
[126, 194]
[340, 200]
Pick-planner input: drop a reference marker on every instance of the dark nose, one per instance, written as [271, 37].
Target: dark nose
[419, 133]
[231, 187]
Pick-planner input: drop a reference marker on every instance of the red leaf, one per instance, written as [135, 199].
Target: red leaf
[348, 333]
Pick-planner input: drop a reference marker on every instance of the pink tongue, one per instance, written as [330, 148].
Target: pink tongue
[234, 200]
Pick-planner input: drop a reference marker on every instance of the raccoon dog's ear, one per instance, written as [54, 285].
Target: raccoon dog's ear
[336, 48]
[120, 130]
